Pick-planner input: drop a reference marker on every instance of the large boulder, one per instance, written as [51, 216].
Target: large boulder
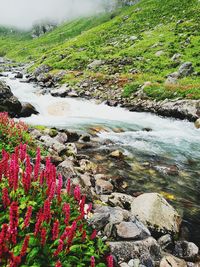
[185, 69]
[8, 102]
[27, 110]
[155, 212]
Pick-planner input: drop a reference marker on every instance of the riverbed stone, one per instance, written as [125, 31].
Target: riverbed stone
[197, 123]
[165, 241]
[185, 69]
[127, 250]
[27, 110]
[66, 168]
[103, 187]
[61, 138]
[186, 250]
[171, 261]
[116, 154]
[132, 230]
[121, 200]
[155, 212]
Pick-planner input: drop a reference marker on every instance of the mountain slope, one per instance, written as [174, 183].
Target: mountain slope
[137, 43]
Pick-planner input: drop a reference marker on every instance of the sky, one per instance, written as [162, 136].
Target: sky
[24, 13]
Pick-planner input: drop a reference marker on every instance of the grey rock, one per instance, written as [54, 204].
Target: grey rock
[66, 168]
[134, 263]
[132, 230]
[71, 149]
[165, 241]
[197, 123]
[19, 75]
[155, 212]
[186, 250]
[60, 92]
[99, 220]
[103, 187]
[127, 250]
[61, 138]
[171, 261]
[86, 180]
[121, 200]
[185, 69]
[96, 63]
[27, 110]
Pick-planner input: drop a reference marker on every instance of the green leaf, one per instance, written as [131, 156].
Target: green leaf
[32, 254]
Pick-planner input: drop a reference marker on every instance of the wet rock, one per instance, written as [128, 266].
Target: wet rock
[168, 170]
[27, 110]
[116, 154]
[73, 136]
[185, 69]
[197, 123]
[165, 241]
[103, 187]
[186, 250]
[60, 92]
[8, 102]
[132, 230]
[73, 93]
[171, 261]
[85, 138]
[155, 212]
[127, 250]
[111, 103]
[19, 75]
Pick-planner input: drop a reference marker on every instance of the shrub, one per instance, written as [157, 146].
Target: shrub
[41, 223]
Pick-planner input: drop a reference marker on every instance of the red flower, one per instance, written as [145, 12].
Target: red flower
[37, 164]
[55, 230]
[47, 210]
[84, 236]
[110, 261]
[40, 218]
[28, 217]
[58, 264]
[59, 248]
[59, 187]
[77, 193]
[13, 224]
[25, 246]
[66, 210]
[43, 236]
[92, 261]
[94, 234]
[5, 197]
[68, 186]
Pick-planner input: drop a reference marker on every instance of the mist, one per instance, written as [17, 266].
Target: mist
[24, 13]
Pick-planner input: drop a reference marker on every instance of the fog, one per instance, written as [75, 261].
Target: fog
[24, 13]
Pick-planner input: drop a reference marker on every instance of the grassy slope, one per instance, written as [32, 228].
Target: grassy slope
[153, 22]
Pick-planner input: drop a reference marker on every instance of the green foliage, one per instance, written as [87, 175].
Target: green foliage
[130, 88]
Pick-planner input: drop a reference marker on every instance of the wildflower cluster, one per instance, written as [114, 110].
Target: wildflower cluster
[41, 222]
[11, 132]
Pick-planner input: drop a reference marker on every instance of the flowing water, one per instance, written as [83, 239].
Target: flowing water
[163, 158]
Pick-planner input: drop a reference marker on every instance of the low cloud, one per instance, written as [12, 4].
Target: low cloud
[24, 13]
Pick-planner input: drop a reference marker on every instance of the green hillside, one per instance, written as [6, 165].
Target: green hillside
[144, 37]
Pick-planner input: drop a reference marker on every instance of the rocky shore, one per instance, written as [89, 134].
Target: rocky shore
[140, 230]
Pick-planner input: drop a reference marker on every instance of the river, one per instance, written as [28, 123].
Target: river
[163, 158]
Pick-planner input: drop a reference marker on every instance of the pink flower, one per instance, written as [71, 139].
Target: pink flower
[92, 261]
[66, 210]
[52, 191]
[59, 187]
[28, 217]
[25, 246]
[47, 210]
[84, 235]
[40, 218]
[110, 261]
[37, 164]
[14, 220]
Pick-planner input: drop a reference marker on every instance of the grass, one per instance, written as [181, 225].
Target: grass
[169, 26]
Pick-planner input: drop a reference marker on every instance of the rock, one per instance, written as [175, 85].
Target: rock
[44, 77]
[116, 154]
[85, 138]
[103, 187]
[61, 138]
[111, 103]
[159, 53]
[8, 102]
[176, 57]
[66, 168]
[60, 92]
[155, 212]
[50, 142]
[56, 160]
[186, 250]
[87, 166]
[168, 170]
[59, 148]
[127, 250]
[96, 63]
[121, 200]
[71, 149]
[123, 264]
[185, 69]
[19, 75]
[73, 93]
[165, 241]
[36, 133]
[197, 123]
[171, 261]
[132, 230]
[171, 80]
[42, 69]
[86, 180]
[27, 110]
[72, 136]
[133, 38]
[99, 220]
[134, 263]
